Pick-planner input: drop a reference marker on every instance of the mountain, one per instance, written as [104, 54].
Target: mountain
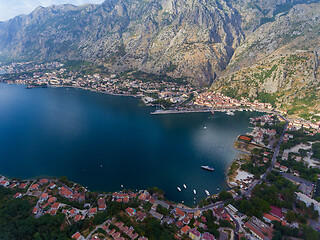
[245, 48]
[183, 38]
[279, 62]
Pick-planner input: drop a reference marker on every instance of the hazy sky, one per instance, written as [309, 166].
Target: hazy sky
[12, 8]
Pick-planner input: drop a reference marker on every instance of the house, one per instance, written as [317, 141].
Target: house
[92, 211]
[269, 218]
[44, 196]
[35, 210]
[55, 205]
[283, 168]
[276, 211]
[207, 236]
[185, 229]
[43, 181]
[186, 220]
[194, 234]
[179, 213]
[179, 224]
[17, 195]
[77, 236]
[52, 199]
[13, 185]
[34, 186]
[4, 183]
[51, 185]
[65, 192]
[78, 218]
[141, 216]
[131, 211]
[255, 231]
[102, 207]
[156, 214]
[154, 207]
[308, 201]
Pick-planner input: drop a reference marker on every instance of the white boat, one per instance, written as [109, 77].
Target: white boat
[205, 128]
[230, 113]
[101, 165]
[207, 192]
[184, 186]
[122, 186]
[194, 192]
[179, 189]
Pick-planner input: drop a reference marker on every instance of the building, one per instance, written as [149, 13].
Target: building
[194, 234]
[77, 236]
[207, 236]
[308, 201]
[185, 229]
[156, 214]
[131, 211]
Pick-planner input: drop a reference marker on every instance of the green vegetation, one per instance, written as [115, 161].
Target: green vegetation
[18, 223]
[211, 226]
[316, 150]
[224, 195]
[280, 192]
[267, 98]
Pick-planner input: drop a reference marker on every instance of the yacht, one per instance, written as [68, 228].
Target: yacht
[185, 186]
[207, 192]
[194, 192]
[179, 189]
[207, 168]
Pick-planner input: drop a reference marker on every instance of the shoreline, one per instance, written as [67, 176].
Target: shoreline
[126, 95]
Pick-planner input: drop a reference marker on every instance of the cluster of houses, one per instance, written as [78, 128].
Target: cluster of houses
[111, 84]
[212, 99]
[29, 67]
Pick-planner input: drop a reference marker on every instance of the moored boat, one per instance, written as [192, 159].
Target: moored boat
[185, 186]
[194, 192]
[179, 189]
[207, 168]
[207, 192]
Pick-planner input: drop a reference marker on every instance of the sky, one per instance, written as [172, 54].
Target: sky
[12, 8]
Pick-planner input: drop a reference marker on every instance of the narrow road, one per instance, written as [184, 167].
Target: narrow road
[273, 161]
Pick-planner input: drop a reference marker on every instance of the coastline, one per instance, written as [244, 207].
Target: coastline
[103, 92]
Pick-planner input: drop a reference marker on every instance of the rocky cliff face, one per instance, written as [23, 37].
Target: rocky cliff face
[279, 62]
[182, 38]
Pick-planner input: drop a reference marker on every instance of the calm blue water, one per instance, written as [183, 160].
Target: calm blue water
[56, 132]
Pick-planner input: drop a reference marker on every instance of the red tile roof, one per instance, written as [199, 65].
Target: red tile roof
[185, 229]
[276, 211]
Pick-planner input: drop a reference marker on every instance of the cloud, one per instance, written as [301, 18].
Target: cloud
[12, 8]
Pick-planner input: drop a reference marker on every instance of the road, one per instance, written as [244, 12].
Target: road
[99, 226]
[273, 161]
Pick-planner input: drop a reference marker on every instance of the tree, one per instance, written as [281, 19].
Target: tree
[224, 195]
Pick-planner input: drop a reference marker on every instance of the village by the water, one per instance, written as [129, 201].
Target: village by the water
[273, 183]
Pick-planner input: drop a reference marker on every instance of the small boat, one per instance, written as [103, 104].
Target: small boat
[207, 192]
[212, 112]
[179, 189]
[194, 192]
[205, 128]
[230, 113]
[207, 168]
[184, 186]
[122, 186]
[101, 165]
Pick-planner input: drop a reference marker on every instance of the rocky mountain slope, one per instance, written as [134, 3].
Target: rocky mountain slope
[245, 48]
[183, 38]
[279, 62]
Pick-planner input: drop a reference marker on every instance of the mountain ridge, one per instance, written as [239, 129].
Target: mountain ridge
[199, 40]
